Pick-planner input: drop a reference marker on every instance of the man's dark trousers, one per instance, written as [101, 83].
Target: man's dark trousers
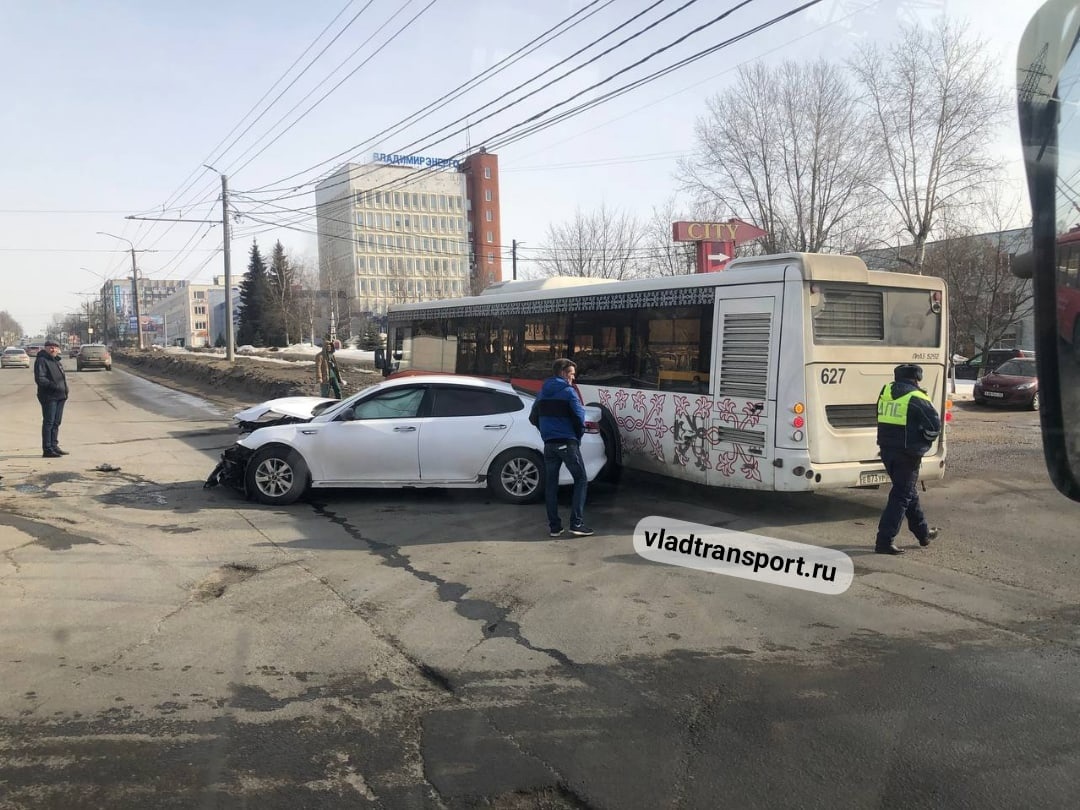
[903, 470]
[52, 414]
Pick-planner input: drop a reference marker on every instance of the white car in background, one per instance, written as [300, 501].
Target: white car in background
[14, 357]
[422, 431]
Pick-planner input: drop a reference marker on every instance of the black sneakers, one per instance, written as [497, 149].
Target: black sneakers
[581, 531]
[930, 535]
[51, 454]
[892, 548]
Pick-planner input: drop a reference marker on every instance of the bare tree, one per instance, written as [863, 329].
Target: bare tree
[787, 149]
[603, 244]
[986, 301]
[11, 330]
[934, 107]
[660, 255]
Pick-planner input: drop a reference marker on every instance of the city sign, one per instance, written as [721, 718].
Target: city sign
[734, 230]
[714, 241]
[416, 160]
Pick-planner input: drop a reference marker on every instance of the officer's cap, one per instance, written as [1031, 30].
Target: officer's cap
[909, 372]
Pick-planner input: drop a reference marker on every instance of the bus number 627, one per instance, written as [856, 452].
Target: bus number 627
[832, 376]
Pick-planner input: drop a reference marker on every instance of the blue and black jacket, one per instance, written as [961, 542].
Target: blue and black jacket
[558, 412]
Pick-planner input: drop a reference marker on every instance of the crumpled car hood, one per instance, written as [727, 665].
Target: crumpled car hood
[294, 407]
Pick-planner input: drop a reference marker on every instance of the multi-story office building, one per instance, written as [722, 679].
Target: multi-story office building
[187, 317]
[395, 231]
[119, 298]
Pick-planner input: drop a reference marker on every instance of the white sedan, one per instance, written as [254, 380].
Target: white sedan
[423, 431]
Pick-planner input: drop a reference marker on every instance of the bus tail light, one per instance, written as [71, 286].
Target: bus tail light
[592, 427]
[948, 410]
[799, 422]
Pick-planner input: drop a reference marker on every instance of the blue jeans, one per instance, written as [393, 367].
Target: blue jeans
[903, 470]
[555, 455]
[52, 414]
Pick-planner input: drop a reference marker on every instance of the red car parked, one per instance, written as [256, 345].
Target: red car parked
[1014, 382]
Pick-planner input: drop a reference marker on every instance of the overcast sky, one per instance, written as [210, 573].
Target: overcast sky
[112, 106]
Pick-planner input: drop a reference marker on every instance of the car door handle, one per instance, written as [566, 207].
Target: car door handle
[494, 427]
[406, 429]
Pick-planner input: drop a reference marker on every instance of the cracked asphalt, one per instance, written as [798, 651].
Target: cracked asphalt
[162, 645]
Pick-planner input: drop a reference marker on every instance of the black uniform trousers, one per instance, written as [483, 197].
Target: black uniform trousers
[903, 470]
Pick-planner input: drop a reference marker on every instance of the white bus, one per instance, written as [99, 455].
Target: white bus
[763, 376]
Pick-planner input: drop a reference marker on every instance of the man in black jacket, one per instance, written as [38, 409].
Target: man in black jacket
[52, 393]
[907, 427]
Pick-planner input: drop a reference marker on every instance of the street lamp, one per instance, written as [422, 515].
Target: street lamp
[135, 284]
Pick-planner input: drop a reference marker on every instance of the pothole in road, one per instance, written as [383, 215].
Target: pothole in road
[215, 585]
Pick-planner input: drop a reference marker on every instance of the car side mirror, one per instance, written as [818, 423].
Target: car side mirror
[1048, 94]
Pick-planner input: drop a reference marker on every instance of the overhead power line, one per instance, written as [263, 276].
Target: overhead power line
[398, 182]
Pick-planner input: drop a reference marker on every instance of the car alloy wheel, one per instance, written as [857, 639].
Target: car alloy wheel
[276, 475]
[517, 476]
[1035, 402]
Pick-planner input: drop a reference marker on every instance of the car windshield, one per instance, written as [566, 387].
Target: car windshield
[1017, 368]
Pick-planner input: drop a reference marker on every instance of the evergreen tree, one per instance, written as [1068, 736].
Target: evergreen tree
[254, 295]
[370, 340]
[281, 318]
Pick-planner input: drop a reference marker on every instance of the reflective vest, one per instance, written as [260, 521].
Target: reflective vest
[894, 411]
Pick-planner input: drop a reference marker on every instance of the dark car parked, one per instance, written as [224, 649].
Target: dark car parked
[1014, 382]
[970, 369]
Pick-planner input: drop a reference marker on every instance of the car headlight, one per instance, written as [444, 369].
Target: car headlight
[1026, 386]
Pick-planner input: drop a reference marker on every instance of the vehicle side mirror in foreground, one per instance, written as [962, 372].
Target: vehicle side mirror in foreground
[1048, 97]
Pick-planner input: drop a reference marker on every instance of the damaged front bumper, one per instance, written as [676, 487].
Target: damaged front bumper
[231, 470]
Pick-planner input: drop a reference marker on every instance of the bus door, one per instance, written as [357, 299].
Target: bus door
[746, 351]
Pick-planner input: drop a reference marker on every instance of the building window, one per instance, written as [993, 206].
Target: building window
[487, 195]
[397, 199]
[487, 214]
[415, 200]
[397, 223]
[490, 236]
[378, 198]
[487, 172]
[423, 201]
[405, 201]
[491, 258]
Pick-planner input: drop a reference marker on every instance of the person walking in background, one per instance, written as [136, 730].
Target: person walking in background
[908, 426]
[52, 393]
[326, 370]
[560, 416]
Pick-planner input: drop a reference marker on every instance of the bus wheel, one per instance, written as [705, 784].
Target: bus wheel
[609, 432]
[276, 475]
[517, 476]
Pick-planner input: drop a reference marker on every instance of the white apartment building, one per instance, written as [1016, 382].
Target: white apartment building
[390, 234]
[184, 318]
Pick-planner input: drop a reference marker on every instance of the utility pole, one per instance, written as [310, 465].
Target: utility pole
[230, 349]
[135, 282]
[513, 254]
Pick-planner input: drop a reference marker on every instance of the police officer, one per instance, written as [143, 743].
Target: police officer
[908, 425]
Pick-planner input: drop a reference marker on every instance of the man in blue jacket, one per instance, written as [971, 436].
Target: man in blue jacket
[907, 427]
[560, 416]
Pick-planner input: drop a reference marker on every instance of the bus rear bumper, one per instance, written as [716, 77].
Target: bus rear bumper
[800, 475]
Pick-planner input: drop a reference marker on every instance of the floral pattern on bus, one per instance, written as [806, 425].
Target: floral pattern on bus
[695, 441]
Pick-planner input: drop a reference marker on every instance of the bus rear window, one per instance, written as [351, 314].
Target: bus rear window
[886, 316]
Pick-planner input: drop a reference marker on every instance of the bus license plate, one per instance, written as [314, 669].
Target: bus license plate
[871, 478]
